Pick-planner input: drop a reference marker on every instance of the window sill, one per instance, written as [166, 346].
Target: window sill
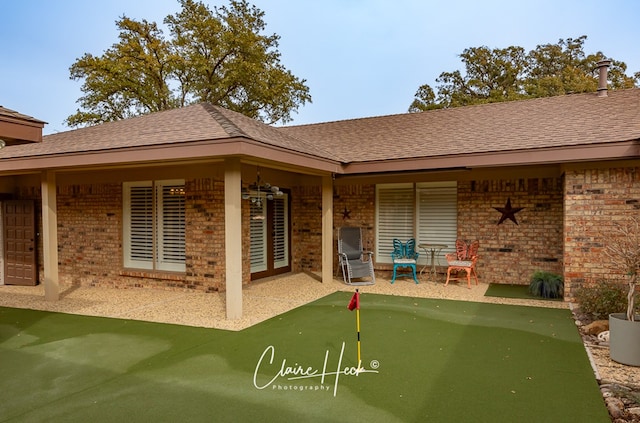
[153, 274]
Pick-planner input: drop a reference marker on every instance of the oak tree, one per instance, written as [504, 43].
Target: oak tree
[494, 75]
[221, 56]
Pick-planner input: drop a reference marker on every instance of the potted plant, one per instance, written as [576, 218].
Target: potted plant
[623, 252]
[546, 285]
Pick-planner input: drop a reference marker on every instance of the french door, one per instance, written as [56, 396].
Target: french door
[270, 236]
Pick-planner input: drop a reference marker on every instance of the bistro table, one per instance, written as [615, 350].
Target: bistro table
[434, 250]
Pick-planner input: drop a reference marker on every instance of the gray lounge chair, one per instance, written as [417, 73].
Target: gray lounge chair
[354, 261]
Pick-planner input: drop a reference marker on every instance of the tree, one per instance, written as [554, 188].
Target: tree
[494, 75]
[219, 56]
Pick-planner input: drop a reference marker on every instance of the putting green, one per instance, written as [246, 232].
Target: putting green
[424, 360]
[513, 291]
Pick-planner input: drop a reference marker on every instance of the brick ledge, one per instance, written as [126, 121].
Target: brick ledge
[153, 275]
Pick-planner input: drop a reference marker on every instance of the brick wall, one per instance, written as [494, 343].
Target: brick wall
[89, 233]
[90, 238]
[306, 229]
[510, 253]
[353, 205]
[594, 200]
[205, 249]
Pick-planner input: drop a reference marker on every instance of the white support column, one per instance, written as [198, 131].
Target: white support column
[233, 237]
[50, 236]
[327, 229]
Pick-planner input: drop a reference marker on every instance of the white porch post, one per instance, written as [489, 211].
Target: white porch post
[327, 229]
[50, 236]
[233, 237]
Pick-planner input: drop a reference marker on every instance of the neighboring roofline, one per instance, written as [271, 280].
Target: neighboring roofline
[16, 128]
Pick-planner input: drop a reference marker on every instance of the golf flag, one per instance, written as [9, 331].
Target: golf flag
[355, 302]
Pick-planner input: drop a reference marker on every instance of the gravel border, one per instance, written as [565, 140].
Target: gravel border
[261, 300]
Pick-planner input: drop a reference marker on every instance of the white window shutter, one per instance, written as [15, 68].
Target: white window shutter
[438, 214]
[170, 225]
[138, 225]
[258, 234]
[280, 232]
[395, 210]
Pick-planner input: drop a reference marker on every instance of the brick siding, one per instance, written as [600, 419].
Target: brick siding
[511, 253]
[561, 228]
[595, 199]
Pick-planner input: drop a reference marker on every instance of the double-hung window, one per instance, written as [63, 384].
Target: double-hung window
[426, 211]
[154, 225]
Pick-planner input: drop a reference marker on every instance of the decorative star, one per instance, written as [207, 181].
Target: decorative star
[346, 214]
[508, 212]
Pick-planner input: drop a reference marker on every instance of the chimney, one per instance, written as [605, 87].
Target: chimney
[603, 67]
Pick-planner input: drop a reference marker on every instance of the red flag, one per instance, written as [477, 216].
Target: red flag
[355, 302]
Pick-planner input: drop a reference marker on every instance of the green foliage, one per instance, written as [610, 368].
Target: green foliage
[495, 75]
[546, 285]
[220, 56]
[603, 299]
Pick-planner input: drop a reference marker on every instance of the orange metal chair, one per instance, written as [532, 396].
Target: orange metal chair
[464, 259]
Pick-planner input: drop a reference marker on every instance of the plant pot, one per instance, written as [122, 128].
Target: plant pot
[624, 339]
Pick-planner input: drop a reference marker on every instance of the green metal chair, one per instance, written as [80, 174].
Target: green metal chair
[404, 256]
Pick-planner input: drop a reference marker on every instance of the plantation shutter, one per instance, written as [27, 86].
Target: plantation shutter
[171, 225]
[138, 225]
[437, 214]
[258, 234]
[280, 232]
[395, 213]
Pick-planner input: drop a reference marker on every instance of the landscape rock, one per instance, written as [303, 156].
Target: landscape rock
[596, 327]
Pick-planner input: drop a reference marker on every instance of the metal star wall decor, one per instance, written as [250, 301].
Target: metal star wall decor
[346, 214]
[508, 212]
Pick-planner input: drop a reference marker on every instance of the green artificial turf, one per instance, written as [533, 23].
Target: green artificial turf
[513, 291]
[436, 361]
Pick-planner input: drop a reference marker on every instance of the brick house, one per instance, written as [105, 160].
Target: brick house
[179, 199]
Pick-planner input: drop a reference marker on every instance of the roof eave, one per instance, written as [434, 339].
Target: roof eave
[16, 131]
[566, 154]
[179, 152]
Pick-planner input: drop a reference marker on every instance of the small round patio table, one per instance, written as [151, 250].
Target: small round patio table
[433, 250]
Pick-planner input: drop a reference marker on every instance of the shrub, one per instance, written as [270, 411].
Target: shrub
[603, 299]
[546, 285]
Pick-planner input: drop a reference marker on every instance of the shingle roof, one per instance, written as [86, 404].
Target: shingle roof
[192, 123]
[562, 122]
[568, 120]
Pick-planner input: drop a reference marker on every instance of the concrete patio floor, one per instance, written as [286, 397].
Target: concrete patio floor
[261, 300]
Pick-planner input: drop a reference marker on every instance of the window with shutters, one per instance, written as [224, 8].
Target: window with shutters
[425, 211]
[154, 225]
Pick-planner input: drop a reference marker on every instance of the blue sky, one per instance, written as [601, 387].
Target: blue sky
[360, 58]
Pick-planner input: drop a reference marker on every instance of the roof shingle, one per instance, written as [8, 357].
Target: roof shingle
[569, 120]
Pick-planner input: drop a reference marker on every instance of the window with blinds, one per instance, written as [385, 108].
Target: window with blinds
[154, 225]
[438, 214]
[258, 233]
[424, 211]
[395, 215]
[280, 232]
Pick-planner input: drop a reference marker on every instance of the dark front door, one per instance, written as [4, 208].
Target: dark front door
[19, 243]
[270, 241]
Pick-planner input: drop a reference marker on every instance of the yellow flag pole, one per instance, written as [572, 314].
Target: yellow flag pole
[358, 327]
